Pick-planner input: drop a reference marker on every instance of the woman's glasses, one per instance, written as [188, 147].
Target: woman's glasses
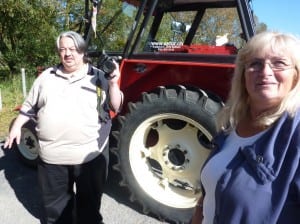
[257, 65]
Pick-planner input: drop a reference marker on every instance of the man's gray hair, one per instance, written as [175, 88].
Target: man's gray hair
[78, 40]
[76, 37]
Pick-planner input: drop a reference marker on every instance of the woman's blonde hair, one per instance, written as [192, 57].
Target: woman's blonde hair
[237, 105]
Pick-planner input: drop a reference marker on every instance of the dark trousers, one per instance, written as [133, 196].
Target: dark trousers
[64, 205]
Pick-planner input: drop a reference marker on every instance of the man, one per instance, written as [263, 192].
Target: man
[71, 102]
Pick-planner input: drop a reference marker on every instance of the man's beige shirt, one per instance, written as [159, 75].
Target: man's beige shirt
[67, 117]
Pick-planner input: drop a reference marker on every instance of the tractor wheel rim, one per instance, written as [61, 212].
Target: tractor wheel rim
[167, 167]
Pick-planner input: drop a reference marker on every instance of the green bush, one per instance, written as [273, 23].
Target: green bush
[12, 97]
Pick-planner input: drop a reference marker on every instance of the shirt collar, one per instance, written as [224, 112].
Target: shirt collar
[74, 76]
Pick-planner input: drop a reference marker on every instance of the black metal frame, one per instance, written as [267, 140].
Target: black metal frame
[243, 8]
[159, 7]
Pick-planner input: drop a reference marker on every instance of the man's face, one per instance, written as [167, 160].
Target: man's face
[71, 59]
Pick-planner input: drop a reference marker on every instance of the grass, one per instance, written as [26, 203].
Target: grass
[12, 97]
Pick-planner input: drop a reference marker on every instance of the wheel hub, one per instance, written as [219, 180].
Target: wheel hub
[29, 142]
[175, 157]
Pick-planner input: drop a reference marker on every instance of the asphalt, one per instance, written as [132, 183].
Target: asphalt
[20, 199]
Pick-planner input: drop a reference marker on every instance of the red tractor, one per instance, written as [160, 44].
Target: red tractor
[175, 75]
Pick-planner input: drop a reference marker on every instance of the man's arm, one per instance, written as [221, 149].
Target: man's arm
[115, 94]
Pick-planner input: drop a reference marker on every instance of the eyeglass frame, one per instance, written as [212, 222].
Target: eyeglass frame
[272, 64]
[64, 50]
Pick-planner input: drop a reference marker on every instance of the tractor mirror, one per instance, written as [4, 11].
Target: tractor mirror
[128, 9]
[179, 27]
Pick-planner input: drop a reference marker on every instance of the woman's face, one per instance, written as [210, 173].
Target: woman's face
[269, 77]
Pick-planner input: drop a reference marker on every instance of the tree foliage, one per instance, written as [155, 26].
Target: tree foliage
[113, 27]
[28, 29]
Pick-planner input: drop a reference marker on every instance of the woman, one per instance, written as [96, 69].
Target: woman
[253, 174]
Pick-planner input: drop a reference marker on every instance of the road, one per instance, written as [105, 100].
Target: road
[20, 201]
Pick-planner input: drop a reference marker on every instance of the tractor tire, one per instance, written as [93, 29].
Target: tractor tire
[29, 145]
[162, 143]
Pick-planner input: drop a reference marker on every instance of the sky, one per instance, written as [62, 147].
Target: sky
[279, 15]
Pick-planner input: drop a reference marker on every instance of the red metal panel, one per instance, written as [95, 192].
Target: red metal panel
[142, 76]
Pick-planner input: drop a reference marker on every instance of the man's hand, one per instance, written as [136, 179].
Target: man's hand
[115, 75]
[14, 134]
[15, 131]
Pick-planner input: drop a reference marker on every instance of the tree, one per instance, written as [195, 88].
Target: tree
[260, 27]
[70, 14]
[113, 27]
[27, 32]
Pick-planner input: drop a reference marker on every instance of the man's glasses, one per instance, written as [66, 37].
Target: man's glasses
[276, 65]
[71, 50]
